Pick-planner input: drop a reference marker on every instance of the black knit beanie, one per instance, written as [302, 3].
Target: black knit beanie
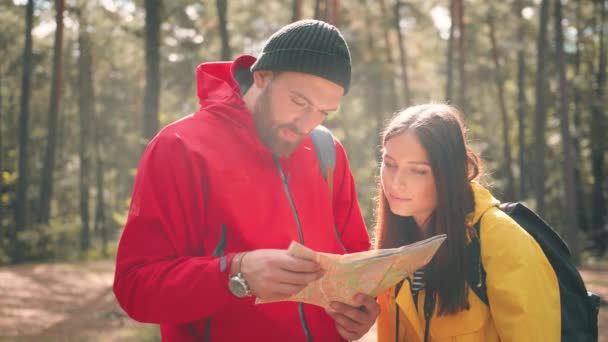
[308, 46]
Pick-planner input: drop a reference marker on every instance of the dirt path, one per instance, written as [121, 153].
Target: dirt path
[64, 302]
[74, 302]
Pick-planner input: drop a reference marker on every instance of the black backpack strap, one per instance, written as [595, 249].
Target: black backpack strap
[429, 308]
[325, 149]
[477, 274]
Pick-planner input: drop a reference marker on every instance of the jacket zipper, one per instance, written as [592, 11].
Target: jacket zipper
[300, 235]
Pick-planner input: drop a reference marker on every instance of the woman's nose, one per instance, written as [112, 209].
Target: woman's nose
[400, 180]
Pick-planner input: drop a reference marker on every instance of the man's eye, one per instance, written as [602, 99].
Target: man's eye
[298, 102]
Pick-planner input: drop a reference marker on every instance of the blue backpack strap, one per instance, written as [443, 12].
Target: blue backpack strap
[325, 149]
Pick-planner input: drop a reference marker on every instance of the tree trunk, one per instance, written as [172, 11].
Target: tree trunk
[222, 9]
[322, 9]
[373, 98]
[522, 102]
[152, 92]
[390, 61]
[571, 218]
[86, 106]
[402, 55]
[334, 12]
[541, 115]
[450, 58]
[577, 124]
[100, 222]
[46, 188]
[462, 99]
[2, 235]
[23, 171]
[500, 87]
[296, 10]
[598, 136]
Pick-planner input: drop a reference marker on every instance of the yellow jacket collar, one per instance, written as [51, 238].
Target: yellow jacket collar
[483, 201]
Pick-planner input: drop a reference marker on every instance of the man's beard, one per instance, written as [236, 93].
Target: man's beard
[268, 130]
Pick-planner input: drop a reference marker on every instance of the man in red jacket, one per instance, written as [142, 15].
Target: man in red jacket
[220, 194]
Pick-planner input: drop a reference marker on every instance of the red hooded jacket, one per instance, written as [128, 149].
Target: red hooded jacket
[206, 189]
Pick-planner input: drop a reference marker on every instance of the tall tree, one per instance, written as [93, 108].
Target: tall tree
[152, 92]
[462, 86]
[402, 55]
[390, 62]
[48, 168]
[319, 9]
[296, 10]
[571, 217]
[522, 102]
[373, 98]
[86, 107]
[598, 136]
[100, 221]
[500, 87]
[1, 156]
[541, 115]
[449, 92]
[222, 12]
[16, 251]
[332, 9]
[577, 123]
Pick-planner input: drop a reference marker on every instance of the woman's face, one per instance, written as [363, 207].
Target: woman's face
[407, 178]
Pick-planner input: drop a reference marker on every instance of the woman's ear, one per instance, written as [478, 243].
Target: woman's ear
[261, 78]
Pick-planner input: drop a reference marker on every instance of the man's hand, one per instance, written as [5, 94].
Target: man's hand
[273, 274]
[354, 322]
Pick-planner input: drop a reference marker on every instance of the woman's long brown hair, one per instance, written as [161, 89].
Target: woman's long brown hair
[441, 132]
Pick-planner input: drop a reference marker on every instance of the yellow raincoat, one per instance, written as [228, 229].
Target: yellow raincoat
[521, 285]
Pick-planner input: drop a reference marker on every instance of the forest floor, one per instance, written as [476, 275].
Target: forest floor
[74, 302]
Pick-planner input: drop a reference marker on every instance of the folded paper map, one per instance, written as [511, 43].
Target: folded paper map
[368, 272]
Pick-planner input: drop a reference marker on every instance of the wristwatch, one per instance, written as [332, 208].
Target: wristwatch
[239, 286]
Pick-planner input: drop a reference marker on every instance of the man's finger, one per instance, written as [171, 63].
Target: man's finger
[369, 302]
[354, 313]
[295, 264]
[345, 322]
[296, 278]
[347, 334]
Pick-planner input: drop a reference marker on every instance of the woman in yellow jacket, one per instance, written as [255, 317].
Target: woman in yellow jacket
[428, 187]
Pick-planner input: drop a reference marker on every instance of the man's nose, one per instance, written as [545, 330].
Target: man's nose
[307, 122]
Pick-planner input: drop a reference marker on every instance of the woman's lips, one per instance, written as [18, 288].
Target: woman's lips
[401, 199]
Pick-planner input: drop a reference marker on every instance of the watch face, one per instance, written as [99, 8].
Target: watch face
[237, 287]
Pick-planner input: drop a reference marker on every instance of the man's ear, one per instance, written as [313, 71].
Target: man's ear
[261, 78]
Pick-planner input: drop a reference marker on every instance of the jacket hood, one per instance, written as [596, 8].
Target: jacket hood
[215, 81]
[219, 92]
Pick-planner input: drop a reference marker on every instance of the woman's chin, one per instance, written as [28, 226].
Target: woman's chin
[401, 212]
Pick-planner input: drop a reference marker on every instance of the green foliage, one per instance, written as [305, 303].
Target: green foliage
[190, 36]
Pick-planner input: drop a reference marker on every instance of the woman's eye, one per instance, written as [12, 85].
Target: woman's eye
[388, 164]
[420, 172]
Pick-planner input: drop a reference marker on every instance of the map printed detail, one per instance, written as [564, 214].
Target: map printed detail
[368, 272]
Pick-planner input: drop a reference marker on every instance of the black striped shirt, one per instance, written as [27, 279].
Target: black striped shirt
[417, 282]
